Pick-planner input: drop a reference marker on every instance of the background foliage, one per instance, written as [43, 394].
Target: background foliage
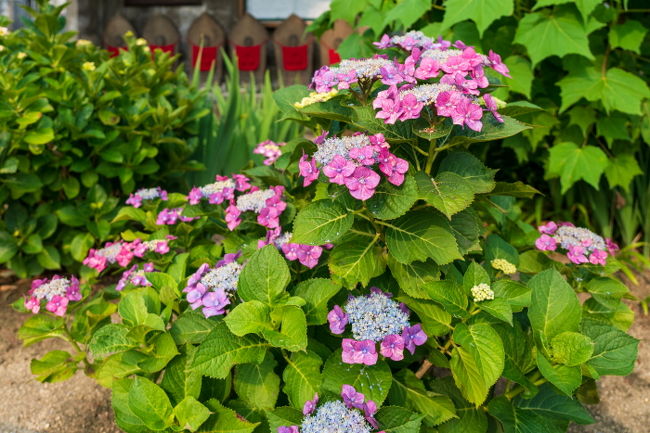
[585, 63]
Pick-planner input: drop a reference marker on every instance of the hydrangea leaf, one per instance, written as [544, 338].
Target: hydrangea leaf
[320, 223]
[517, 294]
[478, 360]
[411, 277]
[491, 130]
[265, 277]
[317, 292]
[54, 366]
[556, 406]
[395, 419]
[179, 380]
[471, 169]
[409, 391]
[374, 381]
[482, 12]
[451, 296]
[566, 379]
[584, 6]
[421, 235]
[356, 261]
[248, 317]
[110, 338]
[293, 329]
[448, 192]
[571, 348]
[190, 413]
[614, 351]
[572, 163]
[225, 419]
[257, 384]
[284, 416]
[617, 89]
[557, 33]
[191, 327]
[390, 201]
[621, 169]
[164, 350]
[554, 307]
[497, 308]
[435, 320]
[302, 377]
[150, 404]
[628, 35]
[221, 350]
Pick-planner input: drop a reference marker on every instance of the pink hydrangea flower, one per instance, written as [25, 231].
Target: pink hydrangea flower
[546, 243]
[359, 352]
[362, 183]
[469, 114]
[577, 254]
[413, 336]
[338, 170]
[308, 170]
[497, 64]
[491, 105]
[352, 398]
[57, 305]
[598, 257]
[337, 320]
[392, 347]
[310, 405]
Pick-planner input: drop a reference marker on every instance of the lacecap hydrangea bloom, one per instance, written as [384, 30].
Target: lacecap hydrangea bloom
[268, 204]
[269, 150]
[122, 252]
[581, 245]
[375, 318]
[353, 161]
[148, 194]
[135, 276]
[307, 255]
[354, 414]
[223, 189]
[212, 288]
[56, 292]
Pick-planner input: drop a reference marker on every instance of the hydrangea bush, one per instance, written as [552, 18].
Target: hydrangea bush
[365, 280]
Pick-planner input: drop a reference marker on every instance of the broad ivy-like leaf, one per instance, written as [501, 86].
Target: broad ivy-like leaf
[628, 35]
[482, 12]
[264, 277]
[572, 163]
[448, 192]
[584, 6]
[571, 348]
[150, 404]
[317, 292]
[471, 169]
[293, 329]
[409, 391]
[356, 260]
[390, 201]
[614, 351]
[621, 169]
[478, 361]
[522, 75]
[617, 89]
[302, 377]
[421, 235]
[553, 33]
[566, 379]
[407, 12]
[554, 307]
[248, 317]
[321, 222]
[257, 384]
[412, 277]
[374, 381]
[395, 419]
[221, 350]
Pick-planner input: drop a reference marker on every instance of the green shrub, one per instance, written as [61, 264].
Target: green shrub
[77, 132]
[223, 324]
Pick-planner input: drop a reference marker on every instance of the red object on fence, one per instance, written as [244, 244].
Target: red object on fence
[295, 58]
[114, 51]
[208, 56]
[248, 58]
[334, 56]
[164, 48]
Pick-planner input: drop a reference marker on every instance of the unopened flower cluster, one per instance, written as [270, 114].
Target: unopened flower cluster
[375, 318]
[354, 414]
[56, 292]
[353, 161]
[147, 194]
[307, 255]
[456, 94]
[580, 244]
[269, 150]
[211, 288]
[315, 97]
[135, 276]
[482, 292]
[504, 266]
[122, 252]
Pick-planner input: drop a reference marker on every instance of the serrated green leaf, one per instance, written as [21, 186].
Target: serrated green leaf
[320, 223]
[451, 296]
[498, 308]
[628, 35]
[407, 12]
[356, 260]
[191, 327]
[566, 379]
[410, 392]
[317, 292]
[615, 351]
[54, 366]
[257, 384]
[190, 413]
[435, 320]
[225, 420]
[163, 350]
[302, 377]
[390, 201]
[179, 380]
[150, 404]
[571, 348]
[110, 338]
[478, 361]
[621, 169]
[395, 419]
[413, 276]
[221, 350]
[293, 330]
[248, 318]
[522, 75]
[264, 277]
[471, 169]
[448, 192]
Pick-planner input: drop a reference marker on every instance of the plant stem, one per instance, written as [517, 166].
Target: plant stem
[431, 157]
[426, 365]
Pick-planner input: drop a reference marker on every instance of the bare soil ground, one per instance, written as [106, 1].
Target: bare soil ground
[81, 406]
